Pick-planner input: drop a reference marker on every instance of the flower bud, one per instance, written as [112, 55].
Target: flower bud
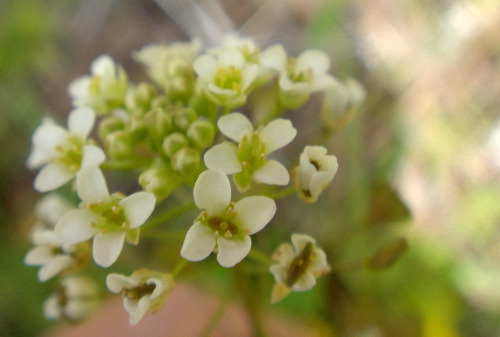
[140, 97]
[186, 161]
[119, 145]
[184, 117]
[173, 143]
[161, 181]
[109, 125]
[158, 122]
[201, 132]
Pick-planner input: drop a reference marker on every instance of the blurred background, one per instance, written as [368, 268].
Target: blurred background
[418, 189]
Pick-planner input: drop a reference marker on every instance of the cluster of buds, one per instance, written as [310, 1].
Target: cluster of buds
[164, 130]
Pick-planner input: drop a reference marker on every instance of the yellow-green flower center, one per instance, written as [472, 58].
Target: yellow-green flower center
[138, 292]
[70, 154]
[229, 78]
[300, 264]
[224, 224]
[111, 215]
[298, 75]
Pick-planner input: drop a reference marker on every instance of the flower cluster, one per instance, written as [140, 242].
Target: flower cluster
[170, 132]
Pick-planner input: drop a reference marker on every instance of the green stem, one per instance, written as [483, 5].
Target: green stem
[217, 314]
[125, 164]
[283, 193]
[250, 301]
[178, 268]
[168, 215]
[259, 256]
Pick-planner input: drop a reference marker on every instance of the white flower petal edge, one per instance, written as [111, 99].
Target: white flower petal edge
[223, 157]
[80, 122]
[272, 173]
[52, 176]
[91, 185]
[232, 252]
[92, 156]
[277, 134]
[235, 126]
[255, 212]
[138, 207]
[107, 247]
[212, 191]
[75, 226]
[199, 243]
[54, 267]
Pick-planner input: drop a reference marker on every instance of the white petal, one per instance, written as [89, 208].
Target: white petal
[79, 89]
[322, 82]
[212, 191]
[118, 282]
[51, 308]
[138, 207]
[92, 156]
[232, 251]
[223, 157]
[299, 241]
[135, 311]
[107, 247]
[235, 126]
[250, 72]
[205, 66]
[48, 136]
[313, 59]
[272, 173]
[75, 226]
[38, 256]
[91, 185]
[80, 122]
[231, 58]
[286, 84]
[103, 66]
[306, 282]
[274, 57]
[38, 158]
[52, 176]
[199, 243]
[54, 267]
[255, 212]
[319, 182]
[278, 133]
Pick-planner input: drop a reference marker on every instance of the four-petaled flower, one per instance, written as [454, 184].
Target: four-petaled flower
[248, 159]
[315, 171]
[224, 223]
[226, 75]
[143, 291]
[305, 74]
[298, 266]
[109, 219]
[63, 153]
[104, 90]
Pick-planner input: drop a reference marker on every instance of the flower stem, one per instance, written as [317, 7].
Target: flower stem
[259, 256]
[178, 268]
[125, 164]
[217, 314]
[283, 193]
[169, 214]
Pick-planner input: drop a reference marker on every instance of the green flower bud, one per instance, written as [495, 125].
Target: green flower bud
[119, 145]
[184, 117]
[158, 123]
[109, 125]
[173, 143]
[201, 132]
[186, 161]
[161, 181]
[137, 128]
[141, 97]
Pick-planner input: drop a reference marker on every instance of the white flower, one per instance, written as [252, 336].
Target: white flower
[109, 219]
[47, 212]
[142, 291]
[298, 266]
[305, 74]
[54, 257]
[63, 153]
[75, 300]
[248, 159]
[223, 223]
[315, 172]
[163, 62]
[104, 90]
[226, 75]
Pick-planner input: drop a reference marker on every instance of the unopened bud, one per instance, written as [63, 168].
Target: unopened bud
[201, 132]
[161, 181]
[109, 125]
[186, 161]
[158, 123]
[173, 143]
[184, 117]
[119, 145]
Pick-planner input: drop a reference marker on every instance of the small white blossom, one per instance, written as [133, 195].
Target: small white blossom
[104, 90]
[305, 74]
[248, 159]
[52, 256]
[75, 300]
[226, 75]
[164, 63]
[315, 171]
[143, 291]
[109, 219]
[224, 223]
[47, 212]
[63, 153]
[298, 266]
